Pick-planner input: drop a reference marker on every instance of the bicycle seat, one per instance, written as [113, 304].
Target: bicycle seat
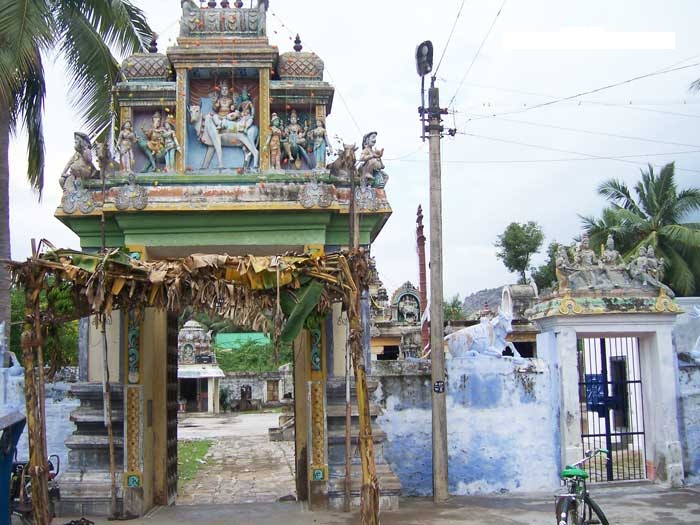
[573, 472]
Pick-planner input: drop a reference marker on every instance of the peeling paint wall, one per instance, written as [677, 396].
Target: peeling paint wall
[686, 338]
[502, 425]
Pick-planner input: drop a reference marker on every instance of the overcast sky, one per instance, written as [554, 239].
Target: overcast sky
[368, 48]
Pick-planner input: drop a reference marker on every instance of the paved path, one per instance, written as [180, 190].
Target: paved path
[243, 465]
[632, 505]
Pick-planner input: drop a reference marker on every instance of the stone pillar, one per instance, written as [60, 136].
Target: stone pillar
[422, 279]
[133, 420]
[570, 416]
[181, 120]
[211, 391]
[83, 349]
[660, 394]
[264, 113]
[317, 439]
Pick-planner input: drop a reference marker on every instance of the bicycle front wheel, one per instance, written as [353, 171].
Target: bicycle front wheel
[567, 511]
[592, 514]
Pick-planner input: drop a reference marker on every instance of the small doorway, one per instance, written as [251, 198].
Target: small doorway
[612, 409]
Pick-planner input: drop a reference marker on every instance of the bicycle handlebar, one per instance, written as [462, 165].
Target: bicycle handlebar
[589, 454]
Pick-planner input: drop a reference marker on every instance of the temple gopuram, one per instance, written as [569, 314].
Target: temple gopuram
[220, 146]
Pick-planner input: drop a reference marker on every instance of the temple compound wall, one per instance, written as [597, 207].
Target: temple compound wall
[686, 341]
[501, 425]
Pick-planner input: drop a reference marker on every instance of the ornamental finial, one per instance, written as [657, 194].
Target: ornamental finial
[297, 44]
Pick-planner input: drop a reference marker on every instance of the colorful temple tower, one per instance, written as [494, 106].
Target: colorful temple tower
[219, 146]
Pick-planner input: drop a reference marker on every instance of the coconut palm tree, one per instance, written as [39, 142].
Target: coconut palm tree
[656, 217]
[83, 33]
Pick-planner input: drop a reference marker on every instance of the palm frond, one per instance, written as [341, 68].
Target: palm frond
[92, 68]
[681, 235]
[30, 105]
[119, 23]
[617, 192]
[678, 276]
[687, 201]
[25, 26]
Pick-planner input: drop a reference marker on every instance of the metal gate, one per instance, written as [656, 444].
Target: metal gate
[612, 410]
[171, 409]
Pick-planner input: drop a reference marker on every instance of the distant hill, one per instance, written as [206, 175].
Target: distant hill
[475, 302]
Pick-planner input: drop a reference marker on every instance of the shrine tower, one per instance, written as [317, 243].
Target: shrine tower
[219, 146]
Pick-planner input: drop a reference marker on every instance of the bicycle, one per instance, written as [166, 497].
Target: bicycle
[575, 506]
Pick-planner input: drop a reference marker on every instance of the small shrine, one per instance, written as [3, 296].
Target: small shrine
[197, 372]
[396, 322]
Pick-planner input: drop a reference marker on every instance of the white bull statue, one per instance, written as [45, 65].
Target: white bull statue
[210, 134]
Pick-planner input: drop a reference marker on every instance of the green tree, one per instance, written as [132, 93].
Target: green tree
[82, 33]
[656, 217]
[517, 244]
[60, 344]
[453, 310]
[545, 276]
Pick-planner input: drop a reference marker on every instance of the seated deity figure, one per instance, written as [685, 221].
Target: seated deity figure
[371, 164]
[294, 142]
[80, 165]
[655, 266]
[125, 144]
[612, 265]
[586, 262]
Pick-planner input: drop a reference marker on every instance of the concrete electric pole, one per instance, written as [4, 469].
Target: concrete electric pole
[424, 59]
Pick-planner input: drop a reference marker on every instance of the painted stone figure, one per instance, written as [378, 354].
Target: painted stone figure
[273, 142]
[170, 145]
[321, 142]
[229, 124]
[152, 143]
[80, 165]
[125, 144]
[371, 165]
[294, 142]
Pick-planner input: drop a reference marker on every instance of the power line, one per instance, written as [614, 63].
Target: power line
[591, 91]
[449, 38]
[602, 133]
[478, 51]
[567, 159]
[548, 148]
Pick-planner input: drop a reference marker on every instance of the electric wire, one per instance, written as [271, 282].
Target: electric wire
[476, 55]
[449, 38]
[559, 150]
[567, 159]
[590, 91]
[601, 133]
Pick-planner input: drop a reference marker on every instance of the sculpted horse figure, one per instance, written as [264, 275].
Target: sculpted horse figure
[210, 134]
[344, 166]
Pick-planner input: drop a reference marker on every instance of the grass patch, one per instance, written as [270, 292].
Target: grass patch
[189, 456]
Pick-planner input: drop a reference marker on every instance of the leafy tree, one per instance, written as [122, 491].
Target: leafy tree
[517, 244]
[82, 32]
[252, 357]
[654, 218]
[60, 344]
[545, 276]
[453, 310]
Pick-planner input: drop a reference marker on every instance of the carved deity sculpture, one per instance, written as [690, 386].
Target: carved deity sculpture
[586, 261]
[320, 142]
[273, 142]
[170, 145]
[563, 267]
[610, 256]
[152, 143]
[125, 144]
[612, 266]
[294, 142]
[371, 164]
[80, 165]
